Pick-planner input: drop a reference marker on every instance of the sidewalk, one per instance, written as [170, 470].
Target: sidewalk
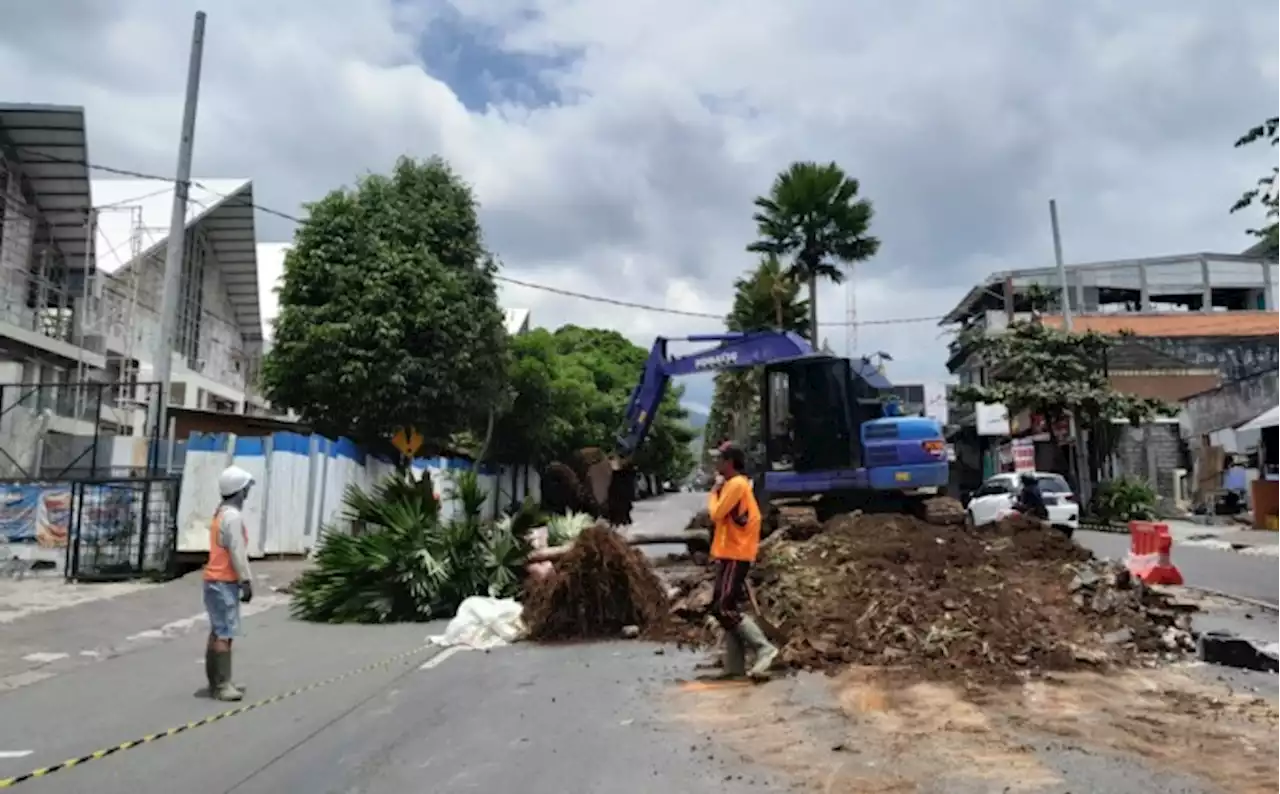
[51, 627]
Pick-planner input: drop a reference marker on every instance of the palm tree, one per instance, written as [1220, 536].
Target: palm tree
[768, 297]
[814, 215]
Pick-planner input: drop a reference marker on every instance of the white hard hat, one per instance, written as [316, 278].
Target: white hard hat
[233, 480]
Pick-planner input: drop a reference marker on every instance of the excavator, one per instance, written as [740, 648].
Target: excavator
[828, 432]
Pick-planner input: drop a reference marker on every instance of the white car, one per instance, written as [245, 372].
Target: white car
[998, 495]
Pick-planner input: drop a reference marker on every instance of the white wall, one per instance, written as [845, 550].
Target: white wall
[300, 485]
[134, 326]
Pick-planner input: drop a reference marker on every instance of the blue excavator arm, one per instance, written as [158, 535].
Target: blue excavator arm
[732, 351]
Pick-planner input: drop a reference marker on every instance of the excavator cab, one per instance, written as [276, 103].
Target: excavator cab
[807, 414]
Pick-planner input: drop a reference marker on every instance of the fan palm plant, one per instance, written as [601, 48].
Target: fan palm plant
[406, 563]
[813, 214]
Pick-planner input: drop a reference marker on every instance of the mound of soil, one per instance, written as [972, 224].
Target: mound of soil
[942, 603]
[599, 588]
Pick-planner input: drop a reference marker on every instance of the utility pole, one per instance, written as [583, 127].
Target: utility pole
[1077, 433]
[176, 245]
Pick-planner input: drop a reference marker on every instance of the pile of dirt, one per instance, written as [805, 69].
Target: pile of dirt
[599, 589]
[942, 603]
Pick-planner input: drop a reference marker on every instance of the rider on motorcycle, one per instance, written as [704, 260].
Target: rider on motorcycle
[1030, 500]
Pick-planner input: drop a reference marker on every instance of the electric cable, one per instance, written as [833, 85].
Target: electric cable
[239, 201]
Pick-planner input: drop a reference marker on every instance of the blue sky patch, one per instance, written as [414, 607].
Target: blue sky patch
[470, 59]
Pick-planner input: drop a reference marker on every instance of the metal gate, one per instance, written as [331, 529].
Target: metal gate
[123, 528]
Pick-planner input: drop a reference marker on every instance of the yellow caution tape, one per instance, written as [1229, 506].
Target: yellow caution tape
[9, 782]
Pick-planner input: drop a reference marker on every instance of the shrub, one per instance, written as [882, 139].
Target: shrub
[406, 563]
[1125, 499]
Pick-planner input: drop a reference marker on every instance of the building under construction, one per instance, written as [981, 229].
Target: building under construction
[85, 472]
[81, 267]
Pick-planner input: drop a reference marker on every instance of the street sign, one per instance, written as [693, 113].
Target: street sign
[408, 441]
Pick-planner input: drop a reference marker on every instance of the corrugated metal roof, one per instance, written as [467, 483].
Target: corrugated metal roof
[1245, 323]
[222, 207]
[48, 144]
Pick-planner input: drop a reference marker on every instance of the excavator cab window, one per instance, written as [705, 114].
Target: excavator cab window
[806, 415]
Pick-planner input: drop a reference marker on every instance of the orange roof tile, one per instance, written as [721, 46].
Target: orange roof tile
[1250, 323]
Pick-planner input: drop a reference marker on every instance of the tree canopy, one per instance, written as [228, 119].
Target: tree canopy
[1264, 191]
[571, 388]
[388, 311]
[768, 298]
[813, 214]
[1051, 372]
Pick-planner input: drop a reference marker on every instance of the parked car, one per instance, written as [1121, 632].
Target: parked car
[998, 495]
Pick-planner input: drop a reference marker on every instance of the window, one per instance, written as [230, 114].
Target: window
[1052, 483]
[996, 487]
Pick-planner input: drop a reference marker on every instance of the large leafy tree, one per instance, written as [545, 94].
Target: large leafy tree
[1264, 192]
[1047, 371]
[813, 215]
[388, 311]
[570, 388]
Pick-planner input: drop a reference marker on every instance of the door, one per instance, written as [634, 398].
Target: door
[806, 415]
[994, 497]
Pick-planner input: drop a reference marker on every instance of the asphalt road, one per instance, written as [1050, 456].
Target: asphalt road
[533, 719]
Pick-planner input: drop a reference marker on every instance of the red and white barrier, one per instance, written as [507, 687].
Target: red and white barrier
[1150, 548]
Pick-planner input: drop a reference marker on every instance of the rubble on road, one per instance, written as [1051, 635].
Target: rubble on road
[602, 588]
[942, 603]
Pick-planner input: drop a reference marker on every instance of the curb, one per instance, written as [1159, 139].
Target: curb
[1253, 602]
[1109, 528]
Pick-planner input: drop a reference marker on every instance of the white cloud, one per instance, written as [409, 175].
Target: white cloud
[635, 181]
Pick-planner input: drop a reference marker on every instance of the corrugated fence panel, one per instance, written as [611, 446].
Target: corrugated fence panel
[301, 481]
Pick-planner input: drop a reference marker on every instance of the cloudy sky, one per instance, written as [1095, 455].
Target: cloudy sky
[616, 147]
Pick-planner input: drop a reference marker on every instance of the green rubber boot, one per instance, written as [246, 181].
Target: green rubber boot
[735, 657]
[211, 670]
[753, 638]
[224, 689]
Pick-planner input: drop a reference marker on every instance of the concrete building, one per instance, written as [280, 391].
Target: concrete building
[218, 338]
[81, 264]
[1189, 323]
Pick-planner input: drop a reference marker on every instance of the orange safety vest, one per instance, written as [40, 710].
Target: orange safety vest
[219, 567]
[736, 515]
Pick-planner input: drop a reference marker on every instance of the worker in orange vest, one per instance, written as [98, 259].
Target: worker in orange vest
[227, 580]
[734, 546]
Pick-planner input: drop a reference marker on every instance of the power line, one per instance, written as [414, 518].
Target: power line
[239, 201]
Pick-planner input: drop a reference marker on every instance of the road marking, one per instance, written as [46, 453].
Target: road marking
[44, 658]
[15, 753]
[212, 718]
[439, 658]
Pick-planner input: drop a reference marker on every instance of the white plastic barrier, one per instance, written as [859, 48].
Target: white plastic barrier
[301, 481]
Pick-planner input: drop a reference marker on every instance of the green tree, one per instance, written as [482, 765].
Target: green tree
[768, 298]
[570, 391]
[814, 215]
[1051, 372]
[1264, 192]
[523, 431]
[388, 311]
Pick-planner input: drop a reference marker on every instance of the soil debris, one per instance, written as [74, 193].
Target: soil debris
[599, 588]
[940, 603]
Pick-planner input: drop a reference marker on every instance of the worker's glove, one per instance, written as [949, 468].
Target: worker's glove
[246, 591]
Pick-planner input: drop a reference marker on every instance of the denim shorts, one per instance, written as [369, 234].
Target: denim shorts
[222, 601]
